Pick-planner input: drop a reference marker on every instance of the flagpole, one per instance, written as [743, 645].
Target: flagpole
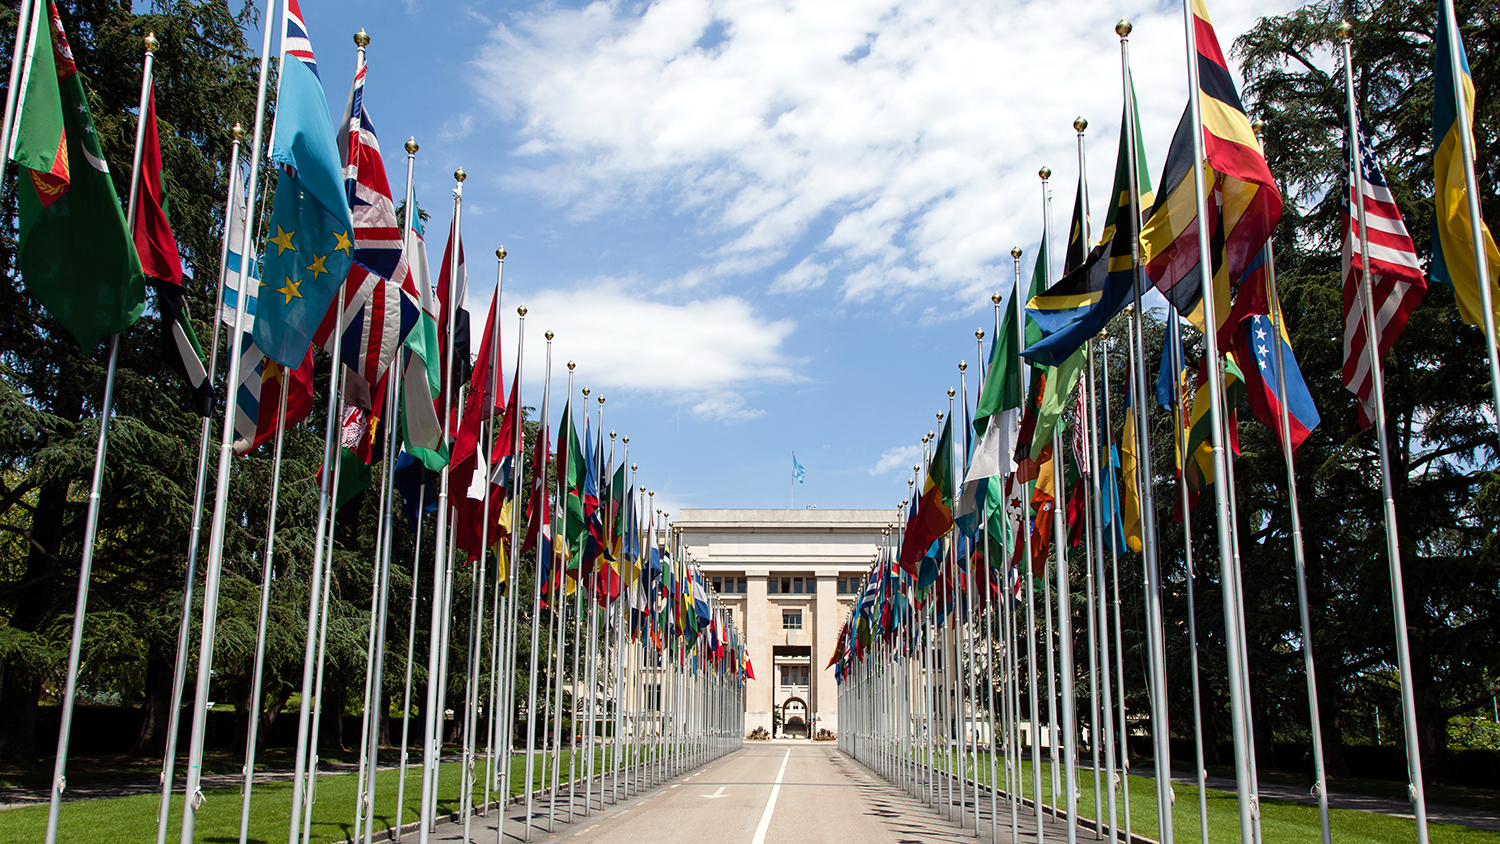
[1114, 569]
[432, 742]
[1104, 462]
[1298, 553]
[1091, 449]
[267, 558]
[1233, 600]
[1377, 381]
[494, 746]
[560, 608]
[536, 592]
[409, 222]
[179, 670]
[25, 42]
[1476, 229]
[1155, 632]
[91, 525]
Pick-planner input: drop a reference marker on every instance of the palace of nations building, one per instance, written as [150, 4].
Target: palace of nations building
[790, 578]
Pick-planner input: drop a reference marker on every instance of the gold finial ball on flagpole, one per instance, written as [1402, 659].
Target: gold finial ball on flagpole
[549, 336]
[1015, 252]
[521, 310]
[963, 366]
[362, 38]
[1045, 172]
[1079, 124]
[151, 42]
[1344, 30]
[571, 365]
[611, 434]
[459, 175]
[1123, 28]
[238, 131]
[501, 253]
[601, 399]
[632, 466]
[951, 393]
[411, 145]
[625, 440]
[979, 334]
[585, 392]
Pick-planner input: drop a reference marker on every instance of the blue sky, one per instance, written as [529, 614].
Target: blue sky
[757, 227]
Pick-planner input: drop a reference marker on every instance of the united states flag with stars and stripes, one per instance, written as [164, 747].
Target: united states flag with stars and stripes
[1396, 280]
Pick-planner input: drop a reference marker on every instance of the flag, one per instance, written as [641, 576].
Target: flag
[422, 371]
[378, 310]
[235, 223]
[160, 261]
[267, 393]
[797, 471]
[1058, 386]
[1396, 281]
[1200, 467]
[76, 256]
[934, 514]
[1169, 375]
[1255, 342]
[1000, 396]
[1452, 229]
[1079, 306]
[452, 298]
[311, 251]
[1130, 521]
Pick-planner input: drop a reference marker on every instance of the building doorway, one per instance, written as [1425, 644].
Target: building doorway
[794, 718]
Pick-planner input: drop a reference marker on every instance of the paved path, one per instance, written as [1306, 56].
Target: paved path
[1436, 812]
[764, 793]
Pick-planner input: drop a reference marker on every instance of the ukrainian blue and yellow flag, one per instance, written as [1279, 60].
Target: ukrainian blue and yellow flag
[1079, 305]
[310, 244]
[1452, 228]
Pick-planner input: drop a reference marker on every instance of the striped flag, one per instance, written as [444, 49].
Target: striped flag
[377, 314]
[1396, 280]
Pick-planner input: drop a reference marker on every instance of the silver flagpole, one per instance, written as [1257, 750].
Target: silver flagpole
[1051, 632]
[1320, 785]
[409, 213]
[1486, 298]
[179, 668]
[1090, 535]
[387, 507]
[411, 638]
[267, 561]
[431, 740]
[560, 610]
[1106, 463]
[536, 605]
[27, 28]
[1238, 695]
[91, 525]
[1377, 380]
[1031, 628]
[1114, 574]
[1156, 637]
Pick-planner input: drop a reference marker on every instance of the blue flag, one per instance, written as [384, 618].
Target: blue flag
[797, 471]
[310, 244]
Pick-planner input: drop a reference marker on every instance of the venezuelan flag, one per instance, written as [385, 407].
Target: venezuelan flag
[1453, 233]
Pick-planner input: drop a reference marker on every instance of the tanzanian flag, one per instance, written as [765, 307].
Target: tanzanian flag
[1078, 306]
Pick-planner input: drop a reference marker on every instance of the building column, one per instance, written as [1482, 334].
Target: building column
[757, 635]
[823, 690]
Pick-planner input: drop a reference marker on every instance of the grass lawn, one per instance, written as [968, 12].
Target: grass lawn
[133, 819]
[1283, 822]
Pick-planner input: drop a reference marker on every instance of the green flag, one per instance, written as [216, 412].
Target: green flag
[1060, 383]
[77, 257]
[1002, 380]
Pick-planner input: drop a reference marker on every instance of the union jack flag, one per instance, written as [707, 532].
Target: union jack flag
[380, 298]
[1396, 280]
[294, 40]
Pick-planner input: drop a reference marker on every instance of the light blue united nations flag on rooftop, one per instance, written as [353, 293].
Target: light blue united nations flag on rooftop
[309, 244]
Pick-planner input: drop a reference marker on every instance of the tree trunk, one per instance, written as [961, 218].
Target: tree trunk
[157, 707]
[33, 607]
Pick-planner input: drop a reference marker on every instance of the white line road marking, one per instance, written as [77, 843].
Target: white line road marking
[765, 819]
[716, 794]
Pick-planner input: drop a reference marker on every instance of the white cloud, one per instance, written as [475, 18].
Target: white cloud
[726, 406]
[891, 147]
[627, 341]
[901, 458]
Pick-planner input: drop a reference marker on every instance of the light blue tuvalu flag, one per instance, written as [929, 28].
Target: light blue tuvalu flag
[309, 244]
[798, 473]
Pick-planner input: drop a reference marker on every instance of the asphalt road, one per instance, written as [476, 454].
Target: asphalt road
[766, 793]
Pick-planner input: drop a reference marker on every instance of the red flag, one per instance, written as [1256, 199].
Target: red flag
[298, 401]
[153, 233]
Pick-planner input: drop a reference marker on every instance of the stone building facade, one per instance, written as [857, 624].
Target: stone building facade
[790, 578]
